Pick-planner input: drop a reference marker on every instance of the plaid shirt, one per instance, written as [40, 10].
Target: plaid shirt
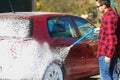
[108, 37]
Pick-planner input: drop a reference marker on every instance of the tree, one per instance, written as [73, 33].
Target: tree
[66, 6]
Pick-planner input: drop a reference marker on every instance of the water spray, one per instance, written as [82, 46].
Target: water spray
[64, 51]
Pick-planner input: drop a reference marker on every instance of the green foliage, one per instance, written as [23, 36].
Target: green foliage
[70, 6]
[77, 7]
[66, 6]
[117, 4]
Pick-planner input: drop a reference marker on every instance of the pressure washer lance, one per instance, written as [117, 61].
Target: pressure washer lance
[64, 51]
[89, 32]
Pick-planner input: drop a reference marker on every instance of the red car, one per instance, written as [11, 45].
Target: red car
[37, 46]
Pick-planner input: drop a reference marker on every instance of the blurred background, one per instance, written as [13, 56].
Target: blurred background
[84, 8]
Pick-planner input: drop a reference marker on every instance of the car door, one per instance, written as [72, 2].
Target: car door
[91, 60]
[89, 44]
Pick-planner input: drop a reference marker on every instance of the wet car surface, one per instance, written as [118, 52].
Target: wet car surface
[37, 45]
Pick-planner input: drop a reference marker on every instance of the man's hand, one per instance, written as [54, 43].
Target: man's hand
[107, 59]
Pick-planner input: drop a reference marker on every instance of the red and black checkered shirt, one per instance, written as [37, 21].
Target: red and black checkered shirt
[108, 34]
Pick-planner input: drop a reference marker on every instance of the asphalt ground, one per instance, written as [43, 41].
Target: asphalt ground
[96, 77]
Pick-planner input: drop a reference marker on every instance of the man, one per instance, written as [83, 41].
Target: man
[107, 50]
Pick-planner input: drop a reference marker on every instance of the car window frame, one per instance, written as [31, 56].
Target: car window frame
[91, 37]
[68, 22]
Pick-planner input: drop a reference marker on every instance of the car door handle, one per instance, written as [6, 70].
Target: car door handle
[82, 57]
[87, 45]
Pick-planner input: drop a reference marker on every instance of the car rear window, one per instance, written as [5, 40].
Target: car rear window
[15, 27]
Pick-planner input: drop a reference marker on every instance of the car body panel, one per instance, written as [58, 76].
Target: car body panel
[81, 59]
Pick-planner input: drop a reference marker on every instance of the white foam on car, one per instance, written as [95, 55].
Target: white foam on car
[20, 58]
[10, 27]
[25, 59]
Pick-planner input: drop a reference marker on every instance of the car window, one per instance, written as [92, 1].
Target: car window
[60, 27]
[83, 26]
[15, 27]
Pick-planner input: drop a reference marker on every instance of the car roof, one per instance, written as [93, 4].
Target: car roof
[30, 14]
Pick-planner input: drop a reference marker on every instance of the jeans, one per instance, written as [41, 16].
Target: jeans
[108, 70]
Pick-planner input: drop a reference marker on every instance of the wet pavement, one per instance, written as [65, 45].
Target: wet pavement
[96, 77]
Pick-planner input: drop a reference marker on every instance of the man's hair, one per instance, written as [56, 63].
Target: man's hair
[104, 2]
